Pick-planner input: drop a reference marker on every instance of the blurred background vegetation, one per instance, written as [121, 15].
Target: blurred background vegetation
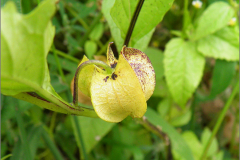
[81, 29]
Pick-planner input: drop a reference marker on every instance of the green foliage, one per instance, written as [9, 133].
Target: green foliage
[121, 13]
[179, 145]
[194, 53]
[222, 75]
[214, 18]
[183, 66]
[23, 69]
[218, 44]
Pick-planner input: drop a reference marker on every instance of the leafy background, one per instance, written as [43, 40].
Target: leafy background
[194, 53]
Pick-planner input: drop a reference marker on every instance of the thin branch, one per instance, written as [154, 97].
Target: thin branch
[220, 120]
[158, 131]
[133, 22]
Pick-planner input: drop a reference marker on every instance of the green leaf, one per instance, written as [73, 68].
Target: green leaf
[156, 57]
[222, 75]
[193, 143]
[150, 15]
[115, 31]
[93, 130]
[183, 67]
[120, 18]
[97, 32]
[224, 44]
[90, 48]
[179, 118]
[179, 145]
[26, 40]
[204, 139]
[215, 17]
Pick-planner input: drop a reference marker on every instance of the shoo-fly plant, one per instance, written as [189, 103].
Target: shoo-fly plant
[118, 88]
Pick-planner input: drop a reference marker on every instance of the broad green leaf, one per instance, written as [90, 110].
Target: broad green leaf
[26, 40]
[179, 118]
[183, 67]
[215, 17]
[23, 65]
[18, 4]
[229, 34]
[90, 48]
[97, 32]
[115, 31]
[140, 43]
[222, 75]
[194, 144]
[224, 44]
[204, 139]
[93, 130]
[179, 145]
[156, 57]
[150, 15]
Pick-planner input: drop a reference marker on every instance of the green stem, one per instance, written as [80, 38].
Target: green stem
[52, 123]
[51, 145]
[47, 96]
[108, 69]
[186, 17]
[193, 106]
[157, 130]
[23, 134]
[7, 156]
[220, 119]
[79, 133]
[58, 64]
[133, 22]
[234, 130]
[60, 53]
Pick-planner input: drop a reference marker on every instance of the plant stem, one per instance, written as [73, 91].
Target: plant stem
[156, 130]
[52, 122]
[133, 22]
[51, 145]
[23, 134]
[58, 64]
[5, 157]
[66, 55]
[220, 119]
[79, 133]
[108, 69]
[186, 17]
[234, 129]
